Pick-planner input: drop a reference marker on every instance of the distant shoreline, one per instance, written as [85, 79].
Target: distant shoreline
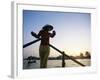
[54, 58]
[87, 55]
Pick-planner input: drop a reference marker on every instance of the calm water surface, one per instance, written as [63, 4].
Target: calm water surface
[56, 63]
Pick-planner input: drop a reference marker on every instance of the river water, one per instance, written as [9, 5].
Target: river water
[56, 63]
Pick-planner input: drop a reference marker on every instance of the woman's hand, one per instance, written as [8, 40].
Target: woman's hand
[54, 32]
[33, 33]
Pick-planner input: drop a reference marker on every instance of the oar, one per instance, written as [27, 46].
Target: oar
[32, 42]
[66, 55]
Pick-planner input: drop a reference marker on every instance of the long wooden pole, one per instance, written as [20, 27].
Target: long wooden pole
[66, 55]
[63, 60]
[28, 44]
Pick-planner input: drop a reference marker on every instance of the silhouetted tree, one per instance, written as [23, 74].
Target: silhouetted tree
[87, 54]
[81, 55]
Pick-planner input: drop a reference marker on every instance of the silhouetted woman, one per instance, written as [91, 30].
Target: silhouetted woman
[44, 48]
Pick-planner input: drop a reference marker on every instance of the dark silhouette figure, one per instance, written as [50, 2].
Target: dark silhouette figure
[44, 48]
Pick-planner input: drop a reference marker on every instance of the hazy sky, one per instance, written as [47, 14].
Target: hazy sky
[72, 31]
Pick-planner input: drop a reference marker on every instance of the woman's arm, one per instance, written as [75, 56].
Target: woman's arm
[53, 34]
[34, 34]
